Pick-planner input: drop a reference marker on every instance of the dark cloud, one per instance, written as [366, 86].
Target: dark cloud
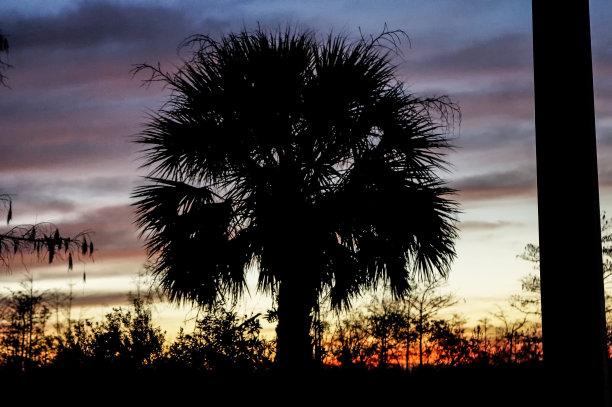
[604, 138]
[104, 26]
[512, 101]
[602, 48]
[504, 53]
[601, 42]
[502, 179]
[73, 102]
[87, 154]
[113, 228]
[486, 226]
[496, 185]
[100, 41]
[605, 166]
[602, 80]
[494, 137]
[102, 299]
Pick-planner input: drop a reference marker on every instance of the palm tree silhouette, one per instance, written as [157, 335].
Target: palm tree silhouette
[305, 158]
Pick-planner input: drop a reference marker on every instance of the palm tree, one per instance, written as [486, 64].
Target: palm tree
[305, 158]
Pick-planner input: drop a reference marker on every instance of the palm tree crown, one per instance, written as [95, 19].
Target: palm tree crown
[307, 159]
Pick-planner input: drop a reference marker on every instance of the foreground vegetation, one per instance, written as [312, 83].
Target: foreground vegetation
[381, 351]
[37, 332]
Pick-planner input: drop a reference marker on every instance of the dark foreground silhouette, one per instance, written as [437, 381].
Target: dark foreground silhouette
[123, 359]
[474, 386]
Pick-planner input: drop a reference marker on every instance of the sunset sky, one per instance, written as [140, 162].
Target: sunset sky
[72, 108]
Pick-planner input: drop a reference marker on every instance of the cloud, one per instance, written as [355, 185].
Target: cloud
[486, 226]
[104, 26]
[508, 103]
[35, 187]
[503, 179]
[101, 299]
[503, 53]
[73, 101]
[59, 199]
[496, 185]
[605, 172]
[91, 154]
[113, 230]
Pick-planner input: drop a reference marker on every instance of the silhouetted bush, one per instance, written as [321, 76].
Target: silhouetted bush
[126, 338]
[222, 341]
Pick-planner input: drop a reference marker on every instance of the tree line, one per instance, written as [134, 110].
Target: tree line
[37, 331]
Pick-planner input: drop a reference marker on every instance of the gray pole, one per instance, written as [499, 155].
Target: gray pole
[573, 308]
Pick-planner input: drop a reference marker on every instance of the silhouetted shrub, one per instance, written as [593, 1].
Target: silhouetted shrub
[126, 338]
[222, 341]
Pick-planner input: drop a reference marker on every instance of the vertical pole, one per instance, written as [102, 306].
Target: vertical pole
[573, 308]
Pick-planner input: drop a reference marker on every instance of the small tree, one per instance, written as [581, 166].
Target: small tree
[125, 339]
[447, 340]
[426, 305]
[222, 341]
[23, 338]
[74, 347]
[351, 342]
[509, 334]
[389, 325]
[480, 343]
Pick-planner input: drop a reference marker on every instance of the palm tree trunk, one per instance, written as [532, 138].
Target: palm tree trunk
[571, 280]
[294, 346]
